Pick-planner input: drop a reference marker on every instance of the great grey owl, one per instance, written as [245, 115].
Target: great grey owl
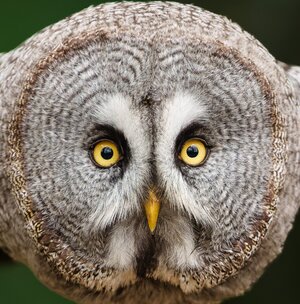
[150, 153]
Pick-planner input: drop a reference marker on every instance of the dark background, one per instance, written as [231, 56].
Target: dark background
[276, 23]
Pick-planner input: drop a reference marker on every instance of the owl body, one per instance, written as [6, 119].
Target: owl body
[147, 79]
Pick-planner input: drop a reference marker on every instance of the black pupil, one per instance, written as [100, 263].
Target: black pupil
[192, 151]
[107, 153]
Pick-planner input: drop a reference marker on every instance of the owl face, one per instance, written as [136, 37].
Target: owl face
[146, 161]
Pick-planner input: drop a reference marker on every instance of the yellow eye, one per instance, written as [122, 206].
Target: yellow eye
[106, 153]
[193, 152]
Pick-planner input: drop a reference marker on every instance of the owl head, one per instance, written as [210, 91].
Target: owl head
[147, 149]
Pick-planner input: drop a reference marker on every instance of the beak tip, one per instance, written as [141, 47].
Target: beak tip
[152, 229]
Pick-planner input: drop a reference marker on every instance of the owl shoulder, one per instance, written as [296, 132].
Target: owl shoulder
[293, 73]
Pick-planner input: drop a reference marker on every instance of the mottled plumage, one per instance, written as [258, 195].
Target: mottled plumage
[148, 76]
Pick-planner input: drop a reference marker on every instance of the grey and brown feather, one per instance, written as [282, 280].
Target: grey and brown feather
[149, 71]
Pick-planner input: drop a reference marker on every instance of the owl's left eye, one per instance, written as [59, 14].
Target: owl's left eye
[193, 152]
[105, 153]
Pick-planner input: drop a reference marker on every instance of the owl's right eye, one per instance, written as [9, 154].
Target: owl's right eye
[105, 153]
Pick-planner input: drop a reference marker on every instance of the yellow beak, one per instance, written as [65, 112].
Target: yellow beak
[152, 207]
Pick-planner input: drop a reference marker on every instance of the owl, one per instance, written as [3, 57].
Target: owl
[150, 153]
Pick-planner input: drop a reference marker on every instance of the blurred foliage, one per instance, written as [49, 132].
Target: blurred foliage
[276, 23]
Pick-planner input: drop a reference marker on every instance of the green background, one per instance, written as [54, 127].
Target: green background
[276, 23]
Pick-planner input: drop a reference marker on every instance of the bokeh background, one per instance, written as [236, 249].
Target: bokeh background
[276, 23]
